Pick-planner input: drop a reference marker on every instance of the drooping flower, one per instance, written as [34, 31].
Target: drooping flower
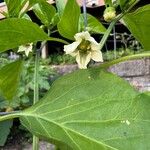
[84, 49]
[26, 48]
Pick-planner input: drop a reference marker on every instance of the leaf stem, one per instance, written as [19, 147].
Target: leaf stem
[8, 113]
[9, 116]
[58, 40]
[131, 57]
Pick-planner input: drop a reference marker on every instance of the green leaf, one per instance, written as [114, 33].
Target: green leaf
[125, 4]
[94, 25]
[16, 32]
[108, 3]
[68, 25]
[9, 79]
[45, 12]
[91, 109]
[138, 23]
[55, 20]
[14, 7]
[4, 131]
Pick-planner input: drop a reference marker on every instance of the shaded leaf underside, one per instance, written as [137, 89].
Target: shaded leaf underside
[91, 110]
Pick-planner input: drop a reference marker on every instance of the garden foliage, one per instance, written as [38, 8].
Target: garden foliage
[89, 109]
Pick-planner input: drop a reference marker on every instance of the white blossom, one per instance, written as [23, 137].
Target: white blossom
[26, 48]
[84, 49]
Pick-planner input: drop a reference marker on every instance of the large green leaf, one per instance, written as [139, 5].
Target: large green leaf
[138, 23]
[94, 25]
[45, 12]
[4, 131]
[91, 110]
[68, 25]
[15, 32]
[9, 79]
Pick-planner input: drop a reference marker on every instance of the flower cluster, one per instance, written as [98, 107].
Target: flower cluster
[84, 49]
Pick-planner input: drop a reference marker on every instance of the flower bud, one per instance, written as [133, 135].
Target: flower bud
[109, 14]
[9, 109]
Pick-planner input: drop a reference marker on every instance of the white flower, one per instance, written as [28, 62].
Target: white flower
[26, 48]
[84, 49]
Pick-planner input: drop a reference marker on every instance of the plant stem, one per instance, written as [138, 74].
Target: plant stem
[35, 144]
[131, 57]
[115, 46]
[36, 77]
[36, 93]
[106, 35]
[85, 14]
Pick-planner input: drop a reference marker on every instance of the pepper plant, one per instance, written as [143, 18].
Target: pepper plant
[89, 109]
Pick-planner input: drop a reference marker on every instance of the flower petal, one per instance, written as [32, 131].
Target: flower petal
[94, 44]
[83, 60]
[97, 56]
[82, 35]
[26, 48]
[70, 49]
[21, 49]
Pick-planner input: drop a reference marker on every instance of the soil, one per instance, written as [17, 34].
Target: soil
[21, 139]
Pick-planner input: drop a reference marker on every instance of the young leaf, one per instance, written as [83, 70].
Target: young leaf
[138, 23]
[14, 7]
[91, 109]
[60, 6]
[125, 4]
[94, 25]
[45, 12]
[16, 32]
[108, 3]
[33, 2]
[9, 79]
[4, 131]
[68, 25]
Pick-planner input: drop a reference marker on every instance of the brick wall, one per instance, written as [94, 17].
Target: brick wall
[136, 72]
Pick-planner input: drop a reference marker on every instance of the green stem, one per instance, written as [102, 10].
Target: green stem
[35, 145]
[106, 35]
[36, 71]
[131, 57]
